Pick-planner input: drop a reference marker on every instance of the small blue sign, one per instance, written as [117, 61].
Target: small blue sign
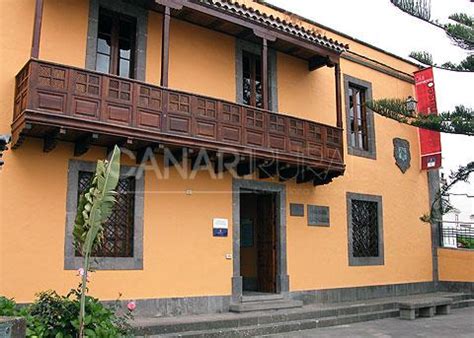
[219, 232]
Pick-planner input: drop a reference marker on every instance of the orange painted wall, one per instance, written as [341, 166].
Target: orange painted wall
[181, 256]
[456, 265]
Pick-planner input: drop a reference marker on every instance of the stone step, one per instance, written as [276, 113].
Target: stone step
[288, 326]
[265, 305]
[261, 318]
[233, 324]
[261, 297]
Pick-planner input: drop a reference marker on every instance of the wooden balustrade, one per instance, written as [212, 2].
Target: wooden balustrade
[59, 96]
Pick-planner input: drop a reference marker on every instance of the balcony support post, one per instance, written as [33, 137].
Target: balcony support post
[165, 47]
[265, 73]
[35, 44]
[337, 74]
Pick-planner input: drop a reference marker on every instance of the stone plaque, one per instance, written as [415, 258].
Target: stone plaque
[296, 209]
[401, 152]
[318, 215]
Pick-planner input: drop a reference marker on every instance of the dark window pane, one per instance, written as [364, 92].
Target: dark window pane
[127, 29]
[105, 23]
[103, 63]
[365, 233]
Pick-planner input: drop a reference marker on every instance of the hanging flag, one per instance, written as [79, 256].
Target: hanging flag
[430, 141]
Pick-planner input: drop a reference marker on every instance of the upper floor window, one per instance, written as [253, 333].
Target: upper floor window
[360, 120]
[252, 79]
[116, 44]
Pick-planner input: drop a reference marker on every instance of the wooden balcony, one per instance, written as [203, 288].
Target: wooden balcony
[57, 102]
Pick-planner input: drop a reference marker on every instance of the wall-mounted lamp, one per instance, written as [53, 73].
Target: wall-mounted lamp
[411, 104]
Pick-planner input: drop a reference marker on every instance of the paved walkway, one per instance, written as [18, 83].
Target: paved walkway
[460, 323]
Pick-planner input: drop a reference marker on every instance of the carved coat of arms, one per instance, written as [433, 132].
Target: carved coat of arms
[401, 152]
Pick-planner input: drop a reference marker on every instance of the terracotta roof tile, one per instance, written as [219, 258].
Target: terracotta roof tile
[276, 23]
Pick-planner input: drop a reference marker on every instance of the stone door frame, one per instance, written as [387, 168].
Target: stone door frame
[282, 278]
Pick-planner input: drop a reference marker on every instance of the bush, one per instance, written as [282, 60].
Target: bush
[52, 315]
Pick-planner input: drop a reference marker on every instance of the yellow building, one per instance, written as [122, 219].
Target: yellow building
[234, 181]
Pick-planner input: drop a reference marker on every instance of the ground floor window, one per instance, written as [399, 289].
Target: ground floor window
[118, 229]
[365, 230]
[122, 244]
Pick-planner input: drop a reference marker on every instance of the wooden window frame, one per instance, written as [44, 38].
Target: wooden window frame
[114, 62]
[253, 60]
[368, 148]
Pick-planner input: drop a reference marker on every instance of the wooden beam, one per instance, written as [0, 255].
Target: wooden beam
[266, 170]
[173, 158]
[35, 44]
[165, 47]
[337, 74]
[143, 151]
[173, 4]
[287, 173]
[265, 73]
[245, 168]
[50, 140]
[82, 145]
[305, 176]
[317, 62]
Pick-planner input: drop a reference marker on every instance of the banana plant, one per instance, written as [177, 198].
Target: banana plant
[94, 207]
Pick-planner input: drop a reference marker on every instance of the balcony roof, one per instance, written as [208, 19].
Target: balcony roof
[274, 22]
[240, 20]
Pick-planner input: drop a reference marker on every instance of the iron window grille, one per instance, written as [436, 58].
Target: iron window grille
[119, 227]
[365, 234]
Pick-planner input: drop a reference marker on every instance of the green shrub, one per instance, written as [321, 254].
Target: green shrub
[52, 315]
[465, 242]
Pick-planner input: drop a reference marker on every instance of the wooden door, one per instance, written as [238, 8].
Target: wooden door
[266, 237]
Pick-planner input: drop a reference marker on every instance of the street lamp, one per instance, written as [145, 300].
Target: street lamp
[411, 104]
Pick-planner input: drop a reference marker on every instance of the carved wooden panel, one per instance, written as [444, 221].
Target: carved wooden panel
[315, 150]
[277, 124]
[120, 90]
[205, 128]
[277, 142]
[315, 132]
[296, 128]
[296, 146]
[231, 113]
[179, 124]
[254, 137]
[83, 107]
[178, 102]
[150, 98]
[87, 84]
[118, 114]
[149, 119]
[21, 90]
[51, 101]
[52, 77]
[206, 108]
[254, 118]
[230, 133]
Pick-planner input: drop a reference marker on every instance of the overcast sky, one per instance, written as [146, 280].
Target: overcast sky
[380, 23]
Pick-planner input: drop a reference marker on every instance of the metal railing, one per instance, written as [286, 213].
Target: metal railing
[457, 236]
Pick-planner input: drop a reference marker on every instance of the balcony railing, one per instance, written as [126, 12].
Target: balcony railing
[59, 96]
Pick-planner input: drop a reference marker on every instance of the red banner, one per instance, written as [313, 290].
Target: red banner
[430, 141]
